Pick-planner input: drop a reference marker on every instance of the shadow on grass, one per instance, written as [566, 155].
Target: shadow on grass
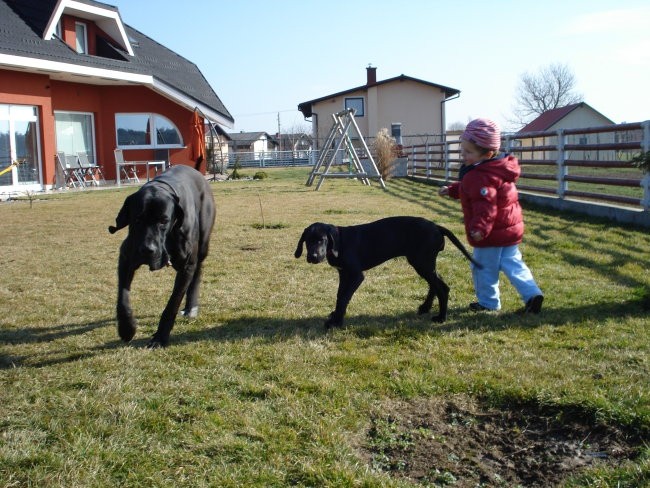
[43, 335]
[404, 326]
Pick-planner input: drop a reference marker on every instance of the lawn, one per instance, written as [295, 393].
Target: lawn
[255, 392]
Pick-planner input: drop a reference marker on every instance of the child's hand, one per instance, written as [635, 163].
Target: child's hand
[443, 190]
[476, 236]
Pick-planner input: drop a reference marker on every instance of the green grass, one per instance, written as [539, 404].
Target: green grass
[255, 392]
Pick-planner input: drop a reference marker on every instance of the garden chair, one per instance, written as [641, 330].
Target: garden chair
[92, 173]
[70, 169]
[128, 169]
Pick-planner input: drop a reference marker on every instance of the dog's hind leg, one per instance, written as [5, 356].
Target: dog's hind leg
[437, 287]
[349, 281]
[191, 309]
[441, 290]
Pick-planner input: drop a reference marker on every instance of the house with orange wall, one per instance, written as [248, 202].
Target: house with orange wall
[75, 79]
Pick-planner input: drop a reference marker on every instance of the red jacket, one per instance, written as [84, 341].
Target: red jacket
[490, 202]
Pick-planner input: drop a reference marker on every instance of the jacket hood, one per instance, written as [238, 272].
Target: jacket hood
[505, 166]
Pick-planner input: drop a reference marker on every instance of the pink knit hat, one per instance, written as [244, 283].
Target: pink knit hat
[483, 133]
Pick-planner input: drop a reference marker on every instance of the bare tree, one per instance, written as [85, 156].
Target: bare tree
[552, 87]
[458, 125]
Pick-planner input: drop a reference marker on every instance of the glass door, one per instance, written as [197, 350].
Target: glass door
[19, 146]
[6, 178]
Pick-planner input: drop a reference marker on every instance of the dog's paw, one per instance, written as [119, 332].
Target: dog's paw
[422, 309]
[156, 343]
[191, 313]
[333, 321]
[126, 328]
[438, 319]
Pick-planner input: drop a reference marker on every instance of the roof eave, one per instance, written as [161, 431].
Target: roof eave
[306, 107]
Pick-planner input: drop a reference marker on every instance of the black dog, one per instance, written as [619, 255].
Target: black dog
[358, 248]
[170, 220]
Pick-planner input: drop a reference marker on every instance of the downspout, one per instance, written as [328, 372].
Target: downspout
[314, 135]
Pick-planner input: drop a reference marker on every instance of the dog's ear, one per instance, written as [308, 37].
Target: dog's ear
[179, 213]
[122, 219]
[333, 241]
[298, 252]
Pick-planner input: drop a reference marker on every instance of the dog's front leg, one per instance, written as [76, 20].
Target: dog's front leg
[349, 281]
[168, 317]
[126, 324]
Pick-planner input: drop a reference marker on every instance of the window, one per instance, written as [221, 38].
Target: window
[82, 37]
[75, 133]
[396, 132]
[146, 131]
[357, 104]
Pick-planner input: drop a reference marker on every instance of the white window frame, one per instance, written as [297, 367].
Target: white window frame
[81, 41]
[153, 139]
[396, 127]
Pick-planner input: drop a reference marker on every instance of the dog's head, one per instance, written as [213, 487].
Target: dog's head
[151, 214]
[321, 240]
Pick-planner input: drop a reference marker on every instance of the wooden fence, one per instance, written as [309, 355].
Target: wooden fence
[592, 164]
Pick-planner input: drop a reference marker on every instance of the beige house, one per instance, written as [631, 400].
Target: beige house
[574, 116]
[404, 105]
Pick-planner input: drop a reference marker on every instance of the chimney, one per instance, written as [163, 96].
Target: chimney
[371, 73]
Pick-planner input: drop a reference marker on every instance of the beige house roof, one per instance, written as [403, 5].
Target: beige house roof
[577, 115]
[306, 107]
[404, 105]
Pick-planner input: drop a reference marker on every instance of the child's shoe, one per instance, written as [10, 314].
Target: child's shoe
[534, 305]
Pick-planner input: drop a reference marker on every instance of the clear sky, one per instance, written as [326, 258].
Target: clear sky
[264, 58]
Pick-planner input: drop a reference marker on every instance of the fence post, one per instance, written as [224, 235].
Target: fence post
[413, 159]
[645, 182]
[446, 161]
[427, 158]
[562, 170]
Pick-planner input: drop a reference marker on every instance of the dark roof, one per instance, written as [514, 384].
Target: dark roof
[305, 107]
[245, 139]
[549, 118]
[248, 136]
[22, 28]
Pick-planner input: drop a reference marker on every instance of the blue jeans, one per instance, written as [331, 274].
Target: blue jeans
[494, 260]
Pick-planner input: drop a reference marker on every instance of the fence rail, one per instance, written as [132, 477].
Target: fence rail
[266, 159]
[592, 163]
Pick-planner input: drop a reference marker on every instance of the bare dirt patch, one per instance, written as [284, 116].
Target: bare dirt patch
[461, 443]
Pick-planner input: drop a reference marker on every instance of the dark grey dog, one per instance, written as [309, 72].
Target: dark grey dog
[170, 220]
[358, 248]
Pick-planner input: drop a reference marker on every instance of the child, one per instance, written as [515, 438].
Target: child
[493, 218]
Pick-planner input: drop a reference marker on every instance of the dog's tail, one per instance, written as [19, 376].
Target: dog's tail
[446, 232]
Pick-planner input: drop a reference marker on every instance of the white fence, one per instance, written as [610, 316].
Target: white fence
[269, 159]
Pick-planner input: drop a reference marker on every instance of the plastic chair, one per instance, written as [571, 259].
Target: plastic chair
[90, 170]
[71, 171]
[127, 169]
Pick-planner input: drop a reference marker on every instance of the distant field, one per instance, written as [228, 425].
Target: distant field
[256, 393]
